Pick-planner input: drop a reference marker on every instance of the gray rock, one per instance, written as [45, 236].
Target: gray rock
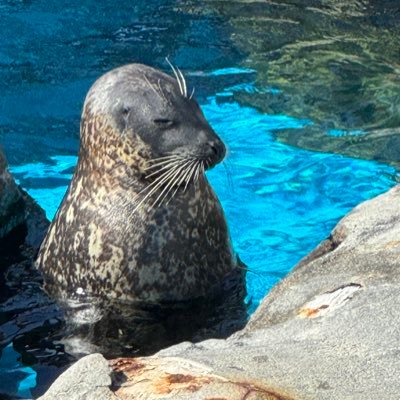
[331, 328]
[17, 208]
[329, 331]
[11, 201]
[87, 379]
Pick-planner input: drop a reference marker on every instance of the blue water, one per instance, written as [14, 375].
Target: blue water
[280, 201]
[15, 377]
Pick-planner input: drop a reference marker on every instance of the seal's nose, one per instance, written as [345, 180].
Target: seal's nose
[215, 152]
[218, 149]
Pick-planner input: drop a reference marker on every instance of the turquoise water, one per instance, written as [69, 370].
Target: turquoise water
[280, 201]
[15, 377]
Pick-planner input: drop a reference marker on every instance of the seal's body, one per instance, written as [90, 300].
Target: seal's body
[140, 220]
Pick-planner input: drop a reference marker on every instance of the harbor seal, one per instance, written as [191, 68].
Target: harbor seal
[140, 220]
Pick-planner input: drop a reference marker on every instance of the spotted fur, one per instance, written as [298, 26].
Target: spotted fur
[99, 243]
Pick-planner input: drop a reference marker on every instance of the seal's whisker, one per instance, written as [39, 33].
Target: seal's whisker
[167, 166]
[179, 183]
[158, 183]
[161, 163]
[165, 174]
[185, 178]
[167, 185]
[192, 171]
[170, 183]
[196, 173]
[183, 82]
[180, 166]
[196, 178]
[151, 86]
[228, 175]
[176, 76]
[161, 90]
[190, 98]
[165, 158]
[195, 170]
[157, 180]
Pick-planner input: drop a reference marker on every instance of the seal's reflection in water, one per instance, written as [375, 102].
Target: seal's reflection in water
[117, 328]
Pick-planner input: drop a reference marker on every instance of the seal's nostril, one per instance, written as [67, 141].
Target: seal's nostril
[215, 151]
[214, 148]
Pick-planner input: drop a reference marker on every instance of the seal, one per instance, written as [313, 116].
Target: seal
[140, 220]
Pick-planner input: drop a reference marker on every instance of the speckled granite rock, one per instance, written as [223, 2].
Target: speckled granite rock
[329, 330]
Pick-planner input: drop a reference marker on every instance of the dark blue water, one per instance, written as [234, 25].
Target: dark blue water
[280, 201]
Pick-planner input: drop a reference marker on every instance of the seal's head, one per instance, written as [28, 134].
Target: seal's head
[148, 114]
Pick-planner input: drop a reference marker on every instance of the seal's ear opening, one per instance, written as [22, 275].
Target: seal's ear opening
[125, 111]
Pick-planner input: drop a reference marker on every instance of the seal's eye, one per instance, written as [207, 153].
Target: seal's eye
[125, 111]
[163, 123]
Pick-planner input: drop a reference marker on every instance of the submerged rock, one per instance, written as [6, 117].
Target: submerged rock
[329, 330]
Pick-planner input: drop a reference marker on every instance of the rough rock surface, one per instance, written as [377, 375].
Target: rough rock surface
[88, 379]
[17, 208]
[10, 197]
[329, 330]
[177, 378]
